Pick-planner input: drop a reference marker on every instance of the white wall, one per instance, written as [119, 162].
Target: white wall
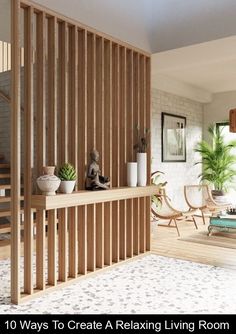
[181, 173]
[218, 109]
[177, 87]
[5, 23]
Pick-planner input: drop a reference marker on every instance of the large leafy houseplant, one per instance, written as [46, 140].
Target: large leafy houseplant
[217, 159]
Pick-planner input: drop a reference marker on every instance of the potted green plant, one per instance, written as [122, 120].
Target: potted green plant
[157, 198]
[67, 175]
[141, 149]
[218, 161]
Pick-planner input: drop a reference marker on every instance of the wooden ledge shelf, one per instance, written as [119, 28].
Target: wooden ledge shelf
[85, 197]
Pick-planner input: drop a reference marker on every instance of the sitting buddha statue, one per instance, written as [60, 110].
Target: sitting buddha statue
[94, 179]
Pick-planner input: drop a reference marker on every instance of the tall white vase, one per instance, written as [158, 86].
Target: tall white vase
[142, 169]
[132, 174]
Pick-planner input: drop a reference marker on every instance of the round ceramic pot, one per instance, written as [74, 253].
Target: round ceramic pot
[48, 183]
[132, 174]
[67, 187]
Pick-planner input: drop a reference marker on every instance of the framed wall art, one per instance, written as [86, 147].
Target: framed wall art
[173, 138]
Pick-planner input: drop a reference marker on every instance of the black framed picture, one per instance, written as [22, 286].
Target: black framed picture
[173, 138]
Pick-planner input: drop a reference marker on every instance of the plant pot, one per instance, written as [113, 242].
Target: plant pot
[48, 183]
[220, 196]
[67, 187]
[217, 193]
[132, 174]
[142, 169]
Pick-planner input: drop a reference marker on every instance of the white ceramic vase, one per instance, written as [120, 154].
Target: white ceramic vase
[67, 187]
[132, 174]
[48, 183]
[142, 169]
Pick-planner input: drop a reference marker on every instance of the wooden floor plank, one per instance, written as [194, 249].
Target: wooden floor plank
[166, 242]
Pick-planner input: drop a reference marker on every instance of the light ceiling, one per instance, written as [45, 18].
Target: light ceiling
[159, 26]
[154, 25]
[207, 66]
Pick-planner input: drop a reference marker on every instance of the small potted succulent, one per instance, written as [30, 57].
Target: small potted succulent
[67, 175]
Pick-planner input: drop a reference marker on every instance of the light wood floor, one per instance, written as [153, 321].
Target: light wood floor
[166, 242]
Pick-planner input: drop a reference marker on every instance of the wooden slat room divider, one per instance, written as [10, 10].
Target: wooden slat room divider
[81, 90]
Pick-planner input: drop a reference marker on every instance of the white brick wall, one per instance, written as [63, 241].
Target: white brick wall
[177, 174]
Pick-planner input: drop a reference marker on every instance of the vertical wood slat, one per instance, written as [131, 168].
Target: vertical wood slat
[63, 92]
[63, 244]
[41, 142]
[148, 224]
[15, 152]
[40, 92]
[91, 144]
[99, 100]
[142, 225]
[82, 149]
[148, 124]
[123, 148]
[52, 91]
[130, 150]
[82, 240]
[115, 152]
[108, 148]
[52, 142]
[52, 247]
[130, 224]
[1, 63]
[91, 96]
[136, 226]
[73, 143]
[40, 249]
[143, 130]
[136, 120]
[4, 56]
[73, 241]
[9, 57]
[73, 96]
[28, 149]
[82, 106]
[148, 111]
[100, 235]
[63, 147]
[108, 233]
[91, 237]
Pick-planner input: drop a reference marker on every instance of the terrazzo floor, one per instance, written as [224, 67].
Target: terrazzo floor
[150, 284]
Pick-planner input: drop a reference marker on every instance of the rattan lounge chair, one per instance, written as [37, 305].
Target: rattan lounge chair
[198, 197]
[167, 212]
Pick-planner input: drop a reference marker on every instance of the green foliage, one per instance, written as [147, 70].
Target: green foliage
[218, 160]
[157, 199]
[67, 172]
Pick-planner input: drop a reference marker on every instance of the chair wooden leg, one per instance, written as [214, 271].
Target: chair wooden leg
[203, 218]
[170, 222]
[195, 223]
[176, 227]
